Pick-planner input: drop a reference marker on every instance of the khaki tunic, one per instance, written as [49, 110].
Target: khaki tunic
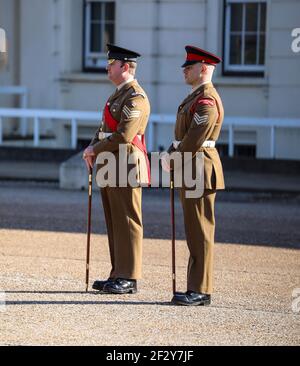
[122, 204]
[199, 118]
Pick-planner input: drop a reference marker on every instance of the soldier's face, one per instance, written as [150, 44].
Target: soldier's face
[192, 73]
[115, 71]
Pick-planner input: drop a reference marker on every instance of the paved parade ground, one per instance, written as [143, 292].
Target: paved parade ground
[42, 273]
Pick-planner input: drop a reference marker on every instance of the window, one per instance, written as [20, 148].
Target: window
[245, 35]
[99, 29]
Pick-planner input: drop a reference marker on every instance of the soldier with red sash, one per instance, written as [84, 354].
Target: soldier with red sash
[125, 118]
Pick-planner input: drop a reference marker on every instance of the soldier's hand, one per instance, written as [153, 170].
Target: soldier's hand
[171, 149]
[89, 157]
[175, 144]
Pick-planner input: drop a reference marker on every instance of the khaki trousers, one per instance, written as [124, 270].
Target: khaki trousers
[123, 216]
[199, 221]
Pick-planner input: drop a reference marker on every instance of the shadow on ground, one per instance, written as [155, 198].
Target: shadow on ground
[241, 217]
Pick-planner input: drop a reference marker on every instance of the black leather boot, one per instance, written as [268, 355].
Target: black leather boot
[100, 284]
[121, 286]
[190, 298]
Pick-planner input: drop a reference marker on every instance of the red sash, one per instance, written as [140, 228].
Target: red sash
[140, 144]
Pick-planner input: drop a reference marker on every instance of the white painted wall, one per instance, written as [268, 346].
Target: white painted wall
[45, 54]
[9, 75]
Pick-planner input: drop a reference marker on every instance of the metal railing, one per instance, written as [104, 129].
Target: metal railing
[84, 118]
[38, 114]
[231, 124]
[22, 91]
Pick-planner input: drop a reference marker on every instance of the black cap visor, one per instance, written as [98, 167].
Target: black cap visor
[188, 63]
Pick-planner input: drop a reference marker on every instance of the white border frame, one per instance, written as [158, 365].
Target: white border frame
[88, 55]
[241, 68]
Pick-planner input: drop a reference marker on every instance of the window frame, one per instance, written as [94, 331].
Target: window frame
[241, 69]
[86, 38]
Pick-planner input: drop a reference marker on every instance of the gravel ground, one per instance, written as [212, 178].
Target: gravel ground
[42, 273]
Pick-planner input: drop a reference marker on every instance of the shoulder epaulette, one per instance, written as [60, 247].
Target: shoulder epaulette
[135, 94]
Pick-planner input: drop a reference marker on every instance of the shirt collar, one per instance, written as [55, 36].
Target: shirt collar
[125, 82]
[198, 86]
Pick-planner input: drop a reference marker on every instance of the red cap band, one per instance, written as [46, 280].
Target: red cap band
[194, 57]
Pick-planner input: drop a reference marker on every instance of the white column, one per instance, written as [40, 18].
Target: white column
[36, 132]
[74, 134]
[272, 145]
[24, 105]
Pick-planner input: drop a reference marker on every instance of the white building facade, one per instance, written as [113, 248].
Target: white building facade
[56, 49]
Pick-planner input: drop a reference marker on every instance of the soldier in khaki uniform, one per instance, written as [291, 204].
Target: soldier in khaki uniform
[125, 118]
[198, 125]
